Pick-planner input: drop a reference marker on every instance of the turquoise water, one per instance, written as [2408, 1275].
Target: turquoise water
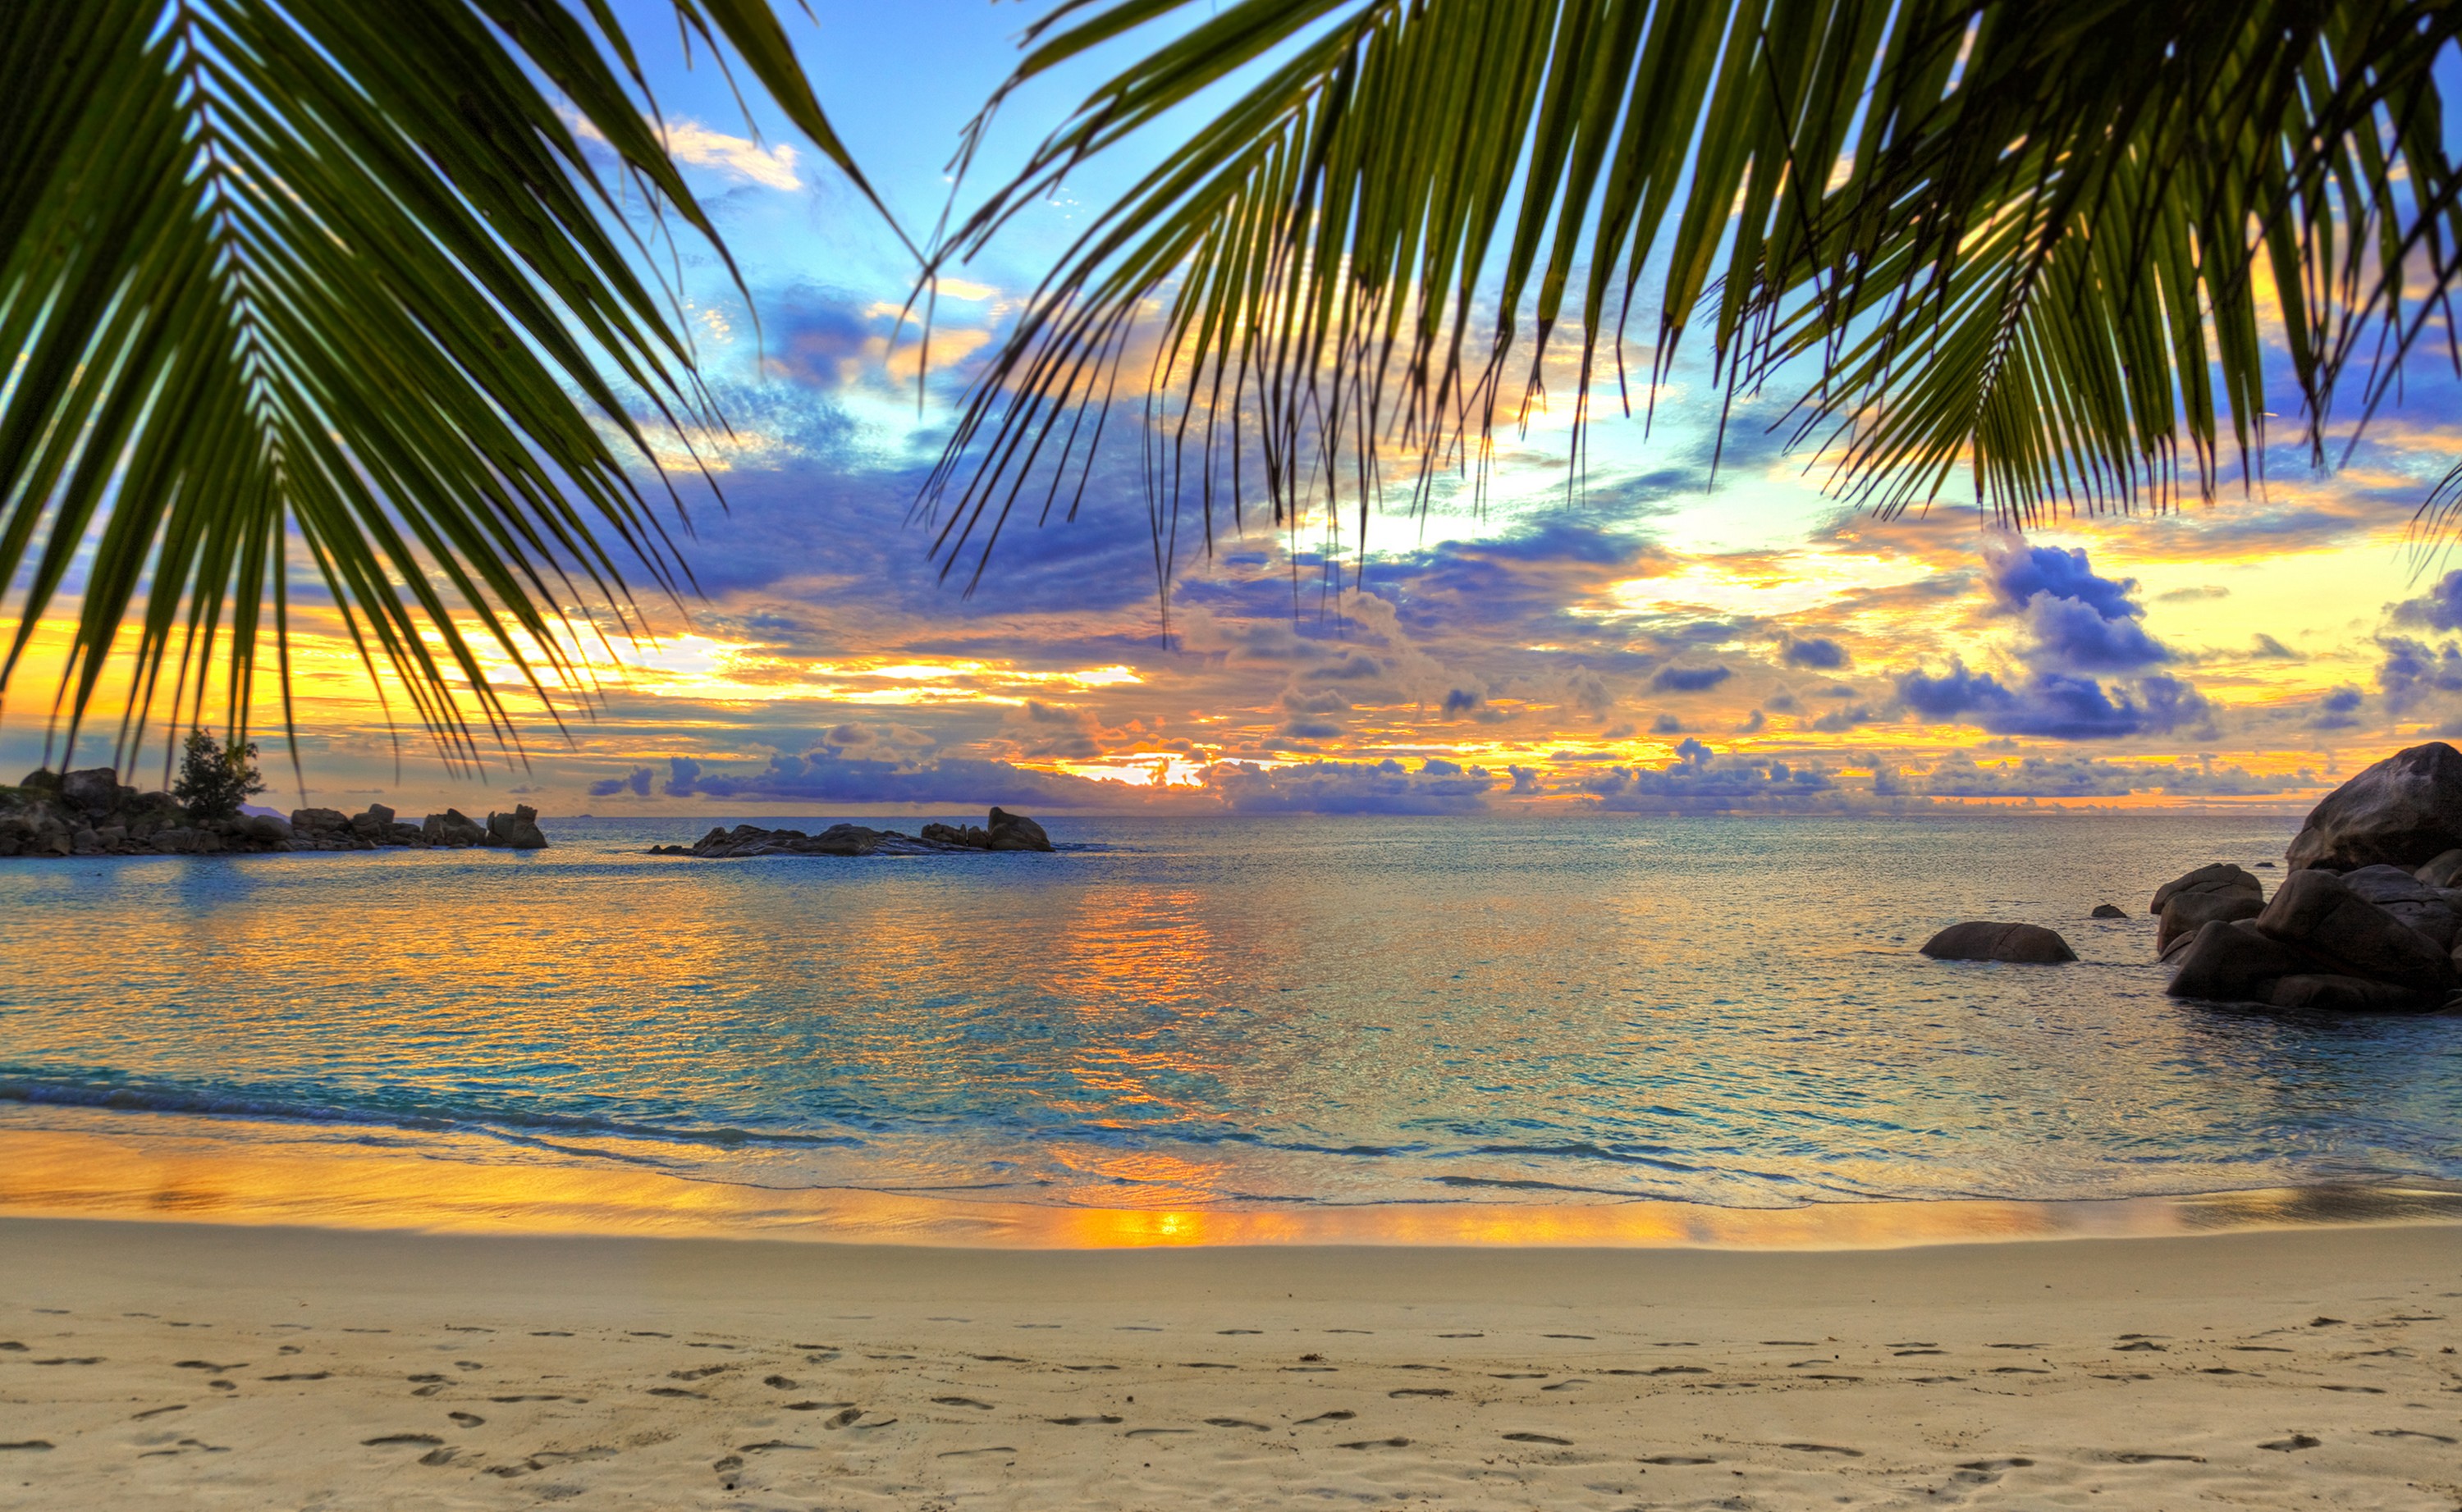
[1373, 1011]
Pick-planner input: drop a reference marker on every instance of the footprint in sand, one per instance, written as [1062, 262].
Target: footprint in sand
[678, 1391]
[1421, 1391]
[2295, 1441]
[1239, 1330]
[2035, 1346]
[1826, 1449]
[814, 1407]
[1517, 1376]
[208, 1365]
[2365, 1391]
[1561, 1386]
[551, 1333]
[2408, 1433]
[2133, 1457]
[1157, 1433]
[1080, 1422]
[963, 1401]
[157, 1412]
[843, 1419]
[390, 1439]
[1985, 1472]
[301, 1376]
[778, 1382]
[1232, 1422]
[1569, 1335]
[77, 1359]
[1377, 1443]
[30, 1445]
[1337, 1415]
[701, 1375]
[466, 1419]
[1679, 1459]
[960, 1454]
[1538, 1439]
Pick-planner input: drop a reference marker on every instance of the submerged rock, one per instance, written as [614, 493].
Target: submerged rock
[2236, 962]
[1983, 940]
[2405, 811]
[2108, 910]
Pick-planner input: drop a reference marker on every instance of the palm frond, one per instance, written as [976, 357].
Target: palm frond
[342, 276]
[2032, 238]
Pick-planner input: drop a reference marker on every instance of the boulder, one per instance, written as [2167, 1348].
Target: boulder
[2443, 870]
[2188, 912]
[373, 823]
[2405, 811]
[1016, 832]
[2234, 962]
[315, 822]
[2327, 994]
[1980, 940]
[452, 827]
[2108, 910]
[518, 829]
[2318, 912]
[41, 780]
[94, 791]
[265, 827]
[2424, 909]
[971, 836]
[2222, 877]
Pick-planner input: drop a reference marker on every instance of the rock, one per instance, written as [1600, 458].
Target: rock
[94, 791]
[41, 780]
[2405, 811]
[972, 836]
[2424, 909]
[314, 822]
[452, 827]
[402, 832]
[1978, 940]
[2444, 870]
[2317, 911]
[518, 829]
[2222, 877]
[1016, 832]
[2107, 910]
[2234, 962]
[112, 836]
[2323, 993]
[2187, 912]
[266, 827]
[373, 823]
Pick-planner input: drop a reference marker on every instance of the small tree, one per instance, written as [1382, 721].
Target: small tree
[214, 782]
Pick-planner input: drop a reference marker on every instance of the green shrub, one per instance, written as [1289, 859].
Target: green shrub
[214, 782]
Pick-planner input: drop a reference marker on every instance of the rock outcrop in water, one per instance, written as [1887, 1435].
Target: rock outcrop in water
[93, 813]
[2369, 917]
[1001, 831]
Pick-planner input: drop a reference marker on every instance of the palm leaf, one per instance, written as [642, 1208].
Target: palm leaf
[2028, 238]
[342, 276]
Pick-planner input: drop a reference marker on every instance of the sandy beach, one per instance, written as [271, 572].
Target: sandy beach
[232, 1366]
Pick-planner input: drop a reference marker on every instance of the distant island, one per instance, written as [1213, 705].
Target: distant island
[93, 813]
[1001, 830]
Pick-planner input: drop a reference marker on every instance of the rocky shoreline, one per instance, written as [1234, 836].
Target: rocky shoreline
[1000, 831]
[92, 813]
[2368, 918]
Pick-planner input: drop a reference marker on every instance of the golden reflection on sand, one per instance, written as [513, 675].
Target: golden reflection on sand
[109, 1174]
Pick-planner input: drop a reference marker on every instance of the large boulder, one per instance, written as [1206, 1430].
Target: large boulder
[1016, 832]
[2445, 870]
[2405, 811]
[2188, 912]
[2318, 912]
[320, 822]
[92, 792]
[2234, 962]
[375, 824]
[452, 827]
[518, 829]
[2220, 878]
[2424, 909]
[1981, 940]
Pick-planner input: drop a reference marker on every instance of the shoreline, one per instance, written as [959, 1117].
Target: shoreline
[217, 1365]
[112, 1174]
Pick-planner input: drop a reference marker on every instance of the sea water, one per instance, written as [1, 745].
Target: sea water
[1219, 1015]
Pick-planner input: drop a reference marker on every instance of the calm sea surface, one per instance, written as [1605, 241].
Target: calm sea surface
[1218, 1014]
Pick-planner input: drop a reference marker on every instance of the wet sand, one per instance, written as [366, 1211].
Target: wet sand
[232, 1366]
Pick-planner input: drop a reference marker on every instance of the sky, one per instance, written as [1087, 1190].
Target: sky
[1653, 639]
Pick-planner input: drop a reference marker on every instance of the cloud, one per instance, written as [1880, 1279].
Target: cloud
[2338, 710]
[1701, 781]
[1689, 679]
[2053, 705]
[1461, 701]
[2413, 674]
[1345, 787]
[1665, 725]
[690, 141]
[1958, 775]
[1818, 653]
[2439, 608]
[2268, 648]
[2075, 619]
[636, 782]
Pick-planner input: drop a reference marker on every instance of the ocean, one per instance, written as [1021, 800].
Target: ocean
[1211, 1016]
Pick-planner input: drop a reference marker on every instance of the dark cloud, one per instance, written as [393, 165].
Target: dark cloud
[2439, 608]
[1463, 700]
[1665, 725]
[1958, 775]
[2413, 674]
[1700, 781]
[2075, 619]
[2054, 705]
[1818, 653]
[636, 782]
[1689, 679]
[1343, 787]
[2271, 649]
[2338, 710]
